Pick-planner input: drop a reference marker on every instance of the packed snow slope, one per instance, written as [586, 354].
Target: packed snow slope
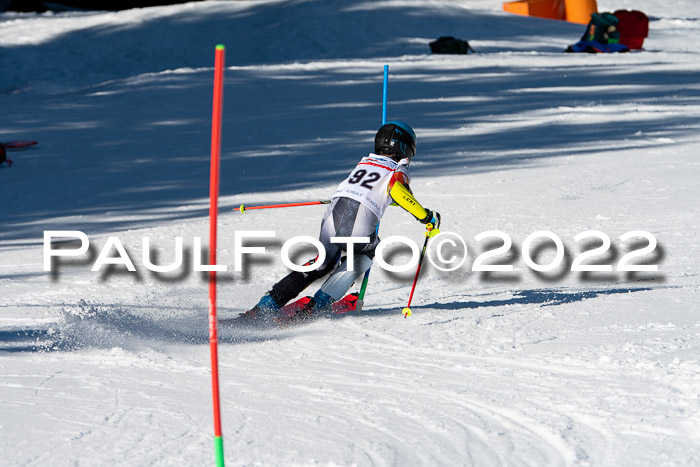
[494, 368]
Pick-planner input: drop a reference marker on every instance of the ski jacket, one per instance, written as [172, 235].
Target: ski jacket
[377, 182]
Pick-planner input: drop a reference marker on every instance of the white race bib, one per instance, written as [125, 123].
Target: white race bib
[369, 180]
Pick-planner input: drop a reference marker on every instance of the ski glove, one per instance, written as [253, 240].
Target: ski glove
[432, 217]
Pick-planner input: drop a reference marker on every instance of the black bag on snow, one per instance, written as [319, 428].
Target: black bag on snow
[450, 45]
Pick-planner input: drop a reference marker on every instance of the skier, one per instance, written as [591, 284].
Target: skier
[377, 181]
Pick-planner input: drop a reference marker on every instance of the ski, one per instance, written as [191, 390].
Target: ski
[290, 310]
[346, 304]
[288, 315]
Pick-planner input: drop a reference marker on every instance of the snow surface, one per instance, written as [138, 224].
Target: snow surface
[520, 368]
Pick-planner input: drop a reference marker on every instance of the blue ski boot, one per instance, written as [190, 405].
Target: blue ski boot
[318, 306]
[264, 310]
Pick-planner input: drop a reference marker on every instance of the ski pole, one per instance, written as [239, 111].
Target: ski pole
[243, 208]
[430, 233]
[361, 296]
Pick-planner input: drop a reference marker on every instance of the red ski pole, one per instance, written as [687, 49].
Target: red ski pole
[430, 233]
[243, 208]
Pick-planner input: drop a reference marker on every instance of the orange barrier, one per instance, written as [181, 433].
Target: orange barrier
[576, 11]
[553, 9]
[579, 11]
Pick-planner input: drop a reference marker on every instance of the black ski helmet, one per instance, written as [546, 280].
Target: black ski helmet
[396, 137]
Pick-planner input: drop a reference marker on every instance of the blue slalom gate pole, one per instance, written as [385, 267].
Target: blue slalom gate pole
[361, 297]
[386, 89]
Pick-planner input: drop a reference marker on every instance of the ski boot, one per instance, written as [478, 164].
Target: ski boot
[319, 305]
[263, 311]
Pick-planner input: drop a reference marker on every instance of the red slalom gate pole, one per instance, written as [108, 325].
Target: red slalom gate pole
[213, 218]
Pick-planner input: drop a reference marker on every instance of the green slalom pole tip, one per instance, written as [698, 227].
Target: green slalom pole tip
[220, 47]
[219, 449]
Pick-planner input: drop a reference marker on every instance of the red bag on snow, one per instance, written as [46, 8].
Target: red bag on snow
[633, 28]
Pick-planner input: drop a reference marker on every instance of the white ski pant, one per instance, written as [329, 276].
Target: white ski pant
[344, 217]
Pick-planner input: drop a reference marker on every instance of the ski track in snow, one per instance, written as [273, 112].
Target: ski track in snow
[112, 368]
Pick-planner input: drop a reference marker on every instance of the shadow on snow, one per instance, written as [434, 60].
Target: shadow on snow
[109, 326]
[542, 297]
[133, 152]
